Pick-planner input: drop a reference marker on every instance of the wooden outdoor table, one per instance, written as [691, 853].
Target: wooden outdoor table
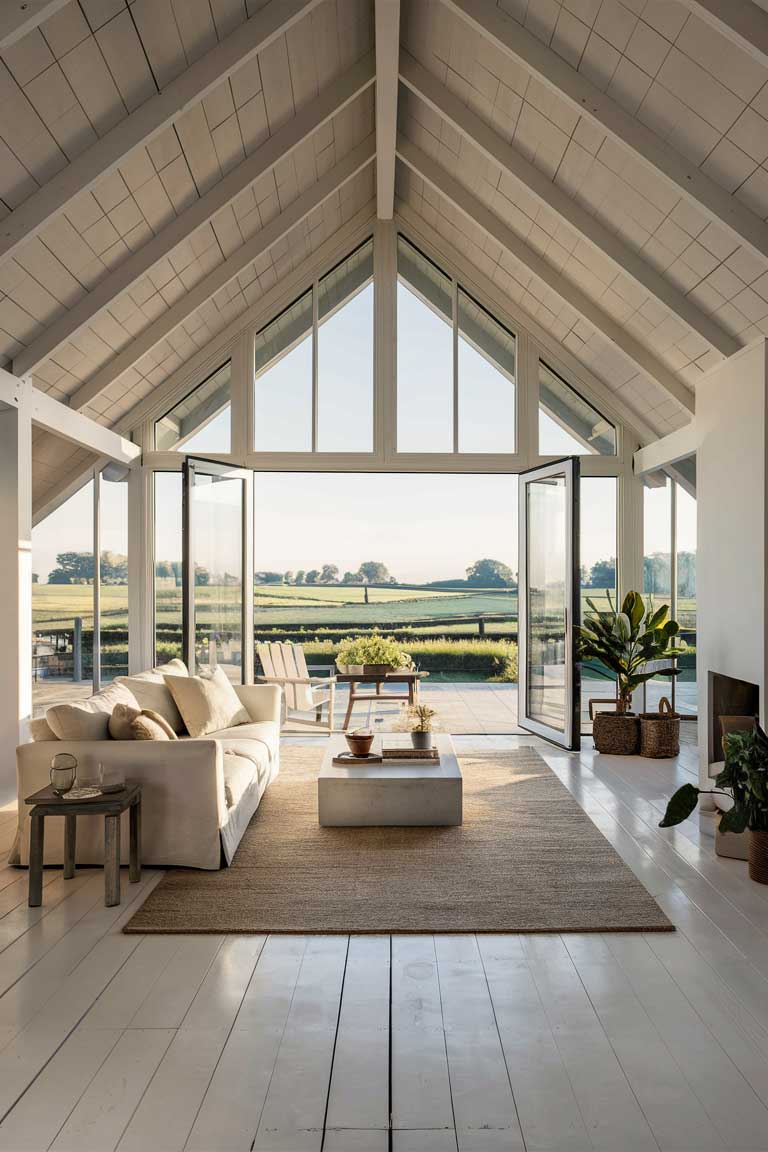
[411, 679]
[111, 806]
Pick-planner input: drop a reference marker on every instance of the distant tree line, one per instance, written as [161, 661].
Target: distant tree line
[77, 568]
[657, 574]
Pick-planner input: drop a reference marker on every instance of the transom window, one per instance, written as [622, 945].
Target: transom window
[316, 394]
[201, 422]
[568, 424]
[455, 365]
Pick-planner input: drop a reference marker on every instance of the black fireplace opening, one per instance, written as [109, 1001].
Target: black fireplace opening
[728, 696]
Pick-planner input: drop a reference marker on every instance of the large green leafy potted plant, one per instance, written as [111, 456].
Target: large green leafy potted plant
[621, 644]
[744, 779]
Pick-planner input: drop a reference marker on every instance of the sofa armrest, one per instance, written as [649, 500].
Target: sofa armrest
[262, 701]
[183, 799]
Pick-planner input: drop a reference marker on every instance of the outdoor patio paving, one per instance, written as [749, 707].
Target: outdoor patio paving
[463, 708]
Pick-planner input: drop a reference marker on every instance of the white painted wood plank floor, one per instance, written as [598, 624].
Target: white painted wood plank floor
[418, 1043]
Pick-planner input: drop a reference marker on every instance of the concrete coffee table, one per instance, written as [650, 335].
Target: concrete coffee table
[396, 792]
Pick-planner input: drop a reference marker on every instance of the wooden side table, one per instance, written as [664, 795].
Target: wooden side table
[111, 806]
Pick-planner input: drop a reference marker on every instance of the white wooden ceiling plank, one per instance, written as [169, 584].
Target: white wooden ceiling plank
[473, 209]
[345, 171]
[587, 98]
[387, 55]
[92, 83]
[160, 37]
[276, 80]
[24, 132]
[27, 58]
[227, 15]
[147, 122]
[123, 52]
[194, 20]
[533, 180]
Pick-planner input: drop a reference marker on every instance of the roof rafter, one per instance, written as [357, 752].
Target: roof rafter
[474, 129]
[149, 120]
[275, 149]
[18, 17]
[359, 158]
[717, 205]
[741, 21]
[387, 51]
[469, 205]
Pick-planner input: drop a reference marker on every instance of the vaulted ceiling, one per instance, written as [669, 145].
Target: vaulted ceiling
[165, 163]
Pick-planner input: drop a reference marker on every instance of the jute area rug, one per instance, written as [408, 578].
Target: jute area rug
[526, 859]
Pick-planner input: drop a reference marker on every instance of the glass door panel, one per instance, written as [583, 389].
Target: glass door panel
[549, 696]
[214, 570]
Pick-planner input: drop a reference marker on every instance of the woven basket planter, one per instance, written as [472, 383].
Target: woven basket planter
[616, 733]
[758, 857]
[660, 732]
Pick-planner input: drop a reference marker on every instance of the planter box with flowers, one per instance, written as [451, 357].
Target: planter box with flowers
[373, 655]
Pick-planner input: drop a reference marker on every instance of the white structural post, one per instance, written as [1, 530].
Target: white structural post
[15, 580]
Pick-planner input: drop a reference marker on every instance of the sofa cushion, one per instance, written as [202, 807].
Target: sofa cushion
[151, 692]
[89, 719]
[239, 773]
[264, 731]
[41, 731]
[207, 703]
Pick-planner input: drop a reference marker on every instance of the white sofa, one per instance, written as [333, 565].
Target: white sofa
[198, 795]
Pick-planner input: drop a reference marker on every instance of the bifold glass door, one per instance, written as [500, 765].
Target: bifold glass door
[214, 577]
[548, 685]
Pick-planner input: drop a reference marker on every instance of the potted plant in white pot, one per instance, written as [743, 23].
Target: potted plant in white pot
[622, 643]
[744, 780]
[418, 719]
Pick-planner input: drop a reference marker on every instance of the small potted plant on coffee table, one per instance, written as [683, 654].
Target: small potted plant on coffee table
[419, 721]
[744, 780]
[621, 644]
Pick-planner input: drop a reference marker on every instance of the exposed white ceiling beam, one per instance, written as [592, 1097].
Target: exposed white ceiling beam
[474, 209]
[56, 417]
[17, 17]
[150, 119]
[284, 141]
[474, 129]
[359, 158]
[742, 21]
[387, 49]
[669, 449]
[745, 226]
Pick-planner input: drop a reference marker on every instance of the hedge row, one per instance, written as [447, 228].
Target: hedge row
[491, 659]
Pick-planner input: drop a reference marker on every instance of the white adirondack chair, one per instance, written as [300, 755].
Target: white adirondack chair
[286, 665]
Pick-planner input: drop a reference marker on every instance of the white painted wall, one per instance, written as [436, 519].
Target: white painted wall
[731, 413]
[15, 586]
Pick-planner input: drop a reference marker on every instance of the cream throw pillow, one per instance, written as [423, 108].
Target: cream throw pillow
[151, 692]
[207, 703]
[150, 725]
[89, 719]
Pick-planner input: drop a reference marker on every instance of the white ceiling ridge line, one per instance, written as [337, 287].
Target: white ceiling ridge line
[213, 354]
[473, 128]
[740, 21]
[717, 205]
[155, 332]
[387, 63]
[470, 206]
[562, 359]
[149, 120]
[276, 148]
